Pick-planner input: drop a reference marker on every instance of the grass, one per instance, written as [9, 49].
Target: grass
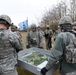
[22, 71]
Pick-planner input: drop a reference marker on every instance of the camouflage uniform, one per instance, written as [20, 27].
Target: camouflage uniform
[39, 29]
[34, 38]
[58, 51]
[57, 32]
[48, 36]
[9, 43]
[19, 34]
[15, 31]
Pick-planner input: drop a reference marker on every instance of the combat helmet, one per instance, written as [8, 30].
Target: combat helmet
[65, 23]
[6, 18]
[33, 25]
[65, 20]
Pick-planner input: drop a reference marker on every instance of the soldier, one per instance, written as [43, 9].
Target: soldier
[48, 35]
[59, 51]
[57, 32]
[34, 38]
[39, 29]
[9, 43]
[15, 30]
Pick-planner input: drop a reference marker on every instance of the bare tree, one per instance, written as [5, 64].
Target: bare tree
[52, 16]
[72, 9]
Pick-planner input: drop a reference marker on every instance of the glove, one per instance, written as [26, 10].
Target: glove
[40, 47]
[27, 46]
[43, 71]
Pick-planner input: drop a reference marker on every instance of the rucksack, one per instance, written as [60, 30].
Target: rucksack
[70, 52]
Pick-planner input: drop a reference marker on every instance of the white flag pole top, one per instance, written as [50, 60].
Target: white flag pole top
[27, 18]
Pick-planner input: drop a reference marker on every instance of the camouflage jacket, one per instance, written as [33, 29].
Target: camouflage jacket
[58, 54]
[48, 33]
[34, 39]
[9, 43]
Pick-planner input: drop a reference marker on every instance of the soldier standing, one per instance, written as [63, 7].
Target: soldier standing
[57, 32]
[64, 49]
[34, 38]
[39, 29]
[9, 43]
[15, 30]
[48, 35]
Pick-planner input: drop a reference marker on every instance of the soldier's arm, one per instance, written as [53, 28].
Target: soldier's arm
[51, 33]
[41, 40]
[45, 35]
[17, 43]
[56, 52]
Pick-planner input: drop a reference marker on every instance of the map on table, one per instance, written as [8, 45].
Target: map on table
[34, 58]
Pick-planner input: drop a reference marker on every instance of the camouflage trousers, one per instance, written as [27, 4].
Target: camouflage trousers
[48, 43]
[72, 73]
[10, 72]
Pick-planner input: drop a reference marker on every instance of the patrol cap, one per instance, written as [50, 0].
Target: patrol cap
[6, 18]
[65, 20]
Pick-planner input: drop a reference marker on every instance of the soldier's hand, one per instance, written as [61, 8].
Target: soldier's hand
[43, 71]
[27, 46]
[40, 47]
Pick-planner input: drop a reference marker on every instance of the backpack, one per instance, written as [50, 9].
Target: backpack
[70, 52]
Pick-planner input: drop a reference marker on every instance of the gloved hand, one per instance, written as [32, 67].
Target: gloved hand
[43, 71]
[27, 46]
[40, 47]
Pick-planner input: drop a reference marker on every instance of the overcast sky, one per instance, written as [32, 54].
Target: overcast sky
[19, 10]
